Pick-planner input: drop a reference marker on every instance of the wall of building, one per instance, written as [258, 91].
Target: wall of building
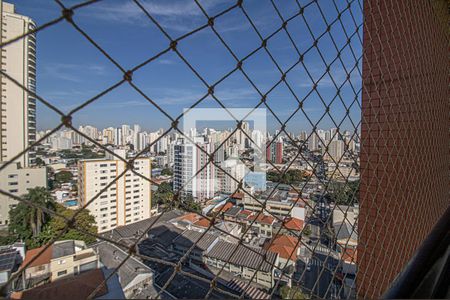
[405, 140]
[71, 264]
[18, 107]
[17, 181]
[126, 201]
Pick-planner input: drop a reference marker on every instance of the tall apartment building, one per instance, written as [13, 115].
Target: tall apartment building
[234, 169]
[188, 160]
[274, 151]
[127, 201]
[17, 106]
[336, 149]
[17, 181]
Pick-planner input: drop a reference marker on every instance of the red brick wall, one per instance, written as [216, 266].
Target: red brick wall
[404, 135]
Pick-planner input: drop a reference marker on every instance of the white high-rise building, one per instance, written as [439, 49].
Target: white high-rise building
[142, 141]
[188, 160]
[17, 106]
[313, 142]
[126, 134]
[118, 138]
[136, 131]
[334, 133]
[234, 169]
[127, 201]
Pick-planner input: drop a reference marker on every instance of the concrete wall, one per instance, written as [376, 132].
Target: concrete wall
[17, 181]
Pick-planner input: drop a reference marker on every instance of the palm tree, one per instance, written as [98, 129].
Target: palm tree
[36, 215]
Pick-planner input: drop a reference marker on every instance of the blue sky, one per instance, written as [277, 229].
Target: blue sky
[71, 70]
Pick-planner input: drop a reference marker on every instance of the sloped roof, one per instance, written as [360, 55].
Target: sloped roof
[203, 222]
[286, 246]
[43, 259]
[243, 256]
[77, 287]
[190, 237]
[294, 224]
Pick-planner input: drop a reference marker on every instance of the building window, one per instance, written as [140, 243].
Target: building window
[60, 273]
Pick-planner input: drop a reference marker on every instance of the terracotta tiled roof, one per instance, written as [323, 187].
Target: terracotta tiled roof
[190, 217]
[237, 196]
[42, 259]
[286, 246]
[348, 254]
[294, 224]
[264, 219]
[224, 208]
[203, 222]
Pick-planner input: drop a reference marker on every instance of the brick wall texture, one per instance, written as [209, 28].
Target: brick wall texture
[404, 135]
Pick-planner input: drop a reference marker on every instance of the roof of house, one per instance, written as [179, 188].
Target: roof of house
[77, 287]
[111, 257]
[286, 246]
[8, 259]
[42, 259]
[164, 234]
[261, 218]
[293, 224]
[237, 196]
[243, 256]
[202, 222]
[190, 217]
[345, 230]
[349, 255]
[245, 213]
[224, 208]
[134, 230]
[63, 248]
[190, 237]
[233, 211]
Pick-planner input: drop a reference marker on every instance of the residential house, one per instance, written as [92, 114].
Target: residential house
[61, 259]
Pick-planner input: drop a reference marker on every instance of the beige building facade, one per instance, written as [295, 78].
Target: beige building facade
[126, 201]
[17, 181]
[17, 106]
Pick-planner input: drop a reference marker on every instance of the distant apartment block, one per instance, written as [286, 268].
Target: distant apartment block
[126, 201]
[274, 151]
[17, 181]
[17, 105]
[282, 203]
[188, 160]
[228, 179]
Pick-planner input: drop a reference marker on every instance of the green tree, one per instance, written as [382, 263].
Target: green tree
[166, 171]
[39, 162]
[290, 177]
[83, 221]
[26, 221]
[292, 293]
[191, 205]
[164, 194]
[63, 176]
[344, 193]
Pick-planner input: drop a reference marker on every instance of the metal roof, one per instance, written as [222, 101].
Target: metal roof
[8, 259]
[243, 256]
[190, 237]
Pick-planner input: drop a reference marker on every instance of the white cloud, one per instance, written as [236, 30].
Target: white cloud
[72, 72]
